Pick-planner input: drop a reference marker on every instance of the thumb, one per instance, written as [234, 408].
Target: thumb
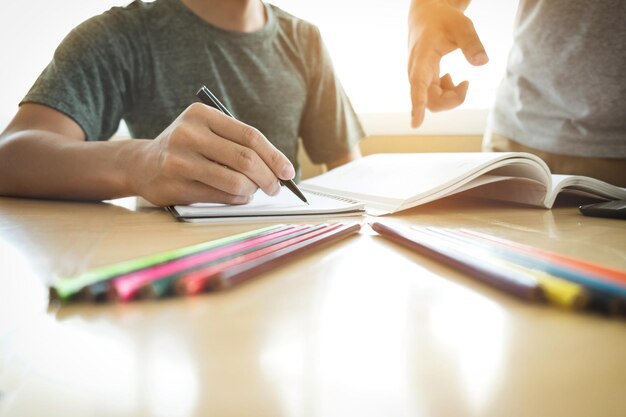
[468, 41]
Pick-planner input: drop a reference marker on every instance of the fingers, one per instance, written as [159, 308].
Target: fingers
[194, 167]
[446, 82]
[196, 192]
[419, 94]
[444, 95]
[423, 69]
[241, 162]
[468, 41]
[249, 137]
[436, 29]
[206, 157]
[189, 192]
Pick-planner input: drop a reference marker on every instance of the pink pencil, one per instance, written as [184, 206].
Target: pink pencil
[126, 286]
[196, 281]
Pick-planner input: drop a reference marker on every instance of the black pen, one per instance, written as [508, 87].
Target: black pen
[207, 97]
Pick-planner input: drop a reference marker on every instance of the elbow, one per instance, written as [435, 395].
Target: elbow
[9, 163]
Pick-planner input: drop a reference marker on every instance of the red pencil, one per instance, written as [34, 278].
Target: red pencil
[197, 281]
[573, 263]
[125, 287]
[163, 286]
[246, 270]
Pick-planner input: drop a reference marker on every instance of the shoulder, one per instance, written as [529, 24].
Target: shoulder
[119, 27]
[300, 30]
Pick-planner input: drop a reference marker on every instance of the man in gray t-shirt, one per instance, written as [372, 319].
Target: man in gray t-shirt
[563, 93]
[143, 64]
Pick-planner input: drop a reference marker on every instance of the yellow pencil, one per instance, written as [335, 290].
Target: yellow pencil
[556, 290]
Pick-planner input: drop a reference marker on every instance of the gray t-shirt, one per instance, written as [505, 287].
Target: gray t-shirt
[145, 62]
[565, 91]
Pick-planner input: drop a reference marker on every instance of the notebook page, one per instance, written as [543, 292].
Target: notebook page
[396, 178]
[585, 186]
[285, 203]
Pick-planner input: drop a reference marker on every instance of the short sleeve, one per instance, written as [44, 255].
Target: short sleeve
[329, 128]
[90, 75]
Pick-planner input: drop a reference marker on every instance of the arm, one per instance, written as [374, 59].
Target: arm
[329, 128]
[203, 155]
[43, 154]
[84, 92]
[436, 28]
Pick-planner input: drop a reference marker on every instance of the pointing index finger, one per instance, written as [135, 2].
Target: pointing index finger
[423, 68]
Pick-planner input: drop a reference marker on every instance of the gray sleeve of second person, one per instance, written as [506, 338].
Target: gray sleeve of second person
[329, 128]
[89, 76]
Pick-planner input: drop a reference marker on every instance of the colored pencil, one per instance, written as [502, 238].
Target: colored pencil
[594, 269]
[125, 287]
[65, 288]
[597, 297]
[252, 267]
[96, 292]
[163, 285]
[198, 281]
[557, 291]
[102, 290]
[558, 266]
[513, 282]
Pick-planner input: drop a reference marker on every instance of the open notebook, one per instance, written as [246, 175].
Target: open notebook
[283, 207]
[387, 183]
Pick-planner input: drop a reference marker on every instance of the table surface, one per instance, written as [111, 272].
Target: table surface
[360, 328]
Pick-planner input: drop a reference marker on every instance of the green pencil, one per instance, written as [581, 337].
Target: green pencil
[65, 288]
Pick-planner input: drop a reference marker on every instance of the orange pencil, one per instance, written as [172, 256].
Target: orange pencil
[197, 281]
[601, 271]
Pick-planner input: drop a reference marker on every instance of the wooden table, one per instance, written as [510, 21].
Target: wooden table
[359, 328]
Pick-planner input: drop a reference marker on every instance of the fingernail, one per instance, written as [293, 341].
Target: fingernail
[275, 189]
[480, 58]
[287, 172]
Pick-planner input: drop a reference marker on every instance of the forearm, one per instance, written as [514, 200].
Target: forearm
[459, 4]
[38, 163]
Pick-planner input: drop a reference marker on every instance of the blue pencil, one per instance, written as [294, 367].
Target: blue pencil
[587, 280]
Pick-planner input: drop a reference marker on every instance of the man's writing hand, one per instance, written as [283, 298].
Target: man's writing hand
[207, 156]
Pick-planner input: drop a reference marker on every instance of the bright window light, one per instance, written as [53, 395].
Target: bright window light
[366, 38]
